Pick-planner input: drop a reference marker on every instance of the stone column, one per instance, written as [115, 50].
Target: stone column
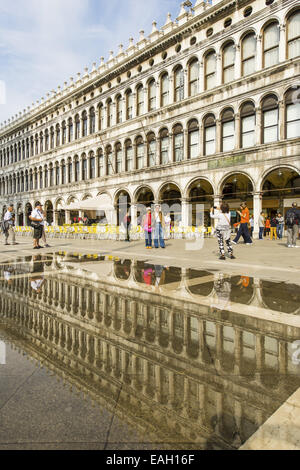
[237, 131]
[257, 208]
[88, 167]
[158, 142]
[171, 148]
[237, 64]
[218, 70]
[185, 145]
[282, 43]
[201, 77]
[218, 136]
[55, 217]
[186, 83]
[281, 123]
[185, 212]
[258, 130]
[133, 215]
[68, 217]
[259, 62]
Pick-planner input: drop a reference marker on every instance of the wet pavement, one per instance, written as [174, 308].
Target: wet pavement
[102, 352]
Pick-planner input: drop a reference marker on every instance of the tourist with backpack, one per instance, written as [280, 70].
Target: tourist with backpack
[7, 225]
[292, 220]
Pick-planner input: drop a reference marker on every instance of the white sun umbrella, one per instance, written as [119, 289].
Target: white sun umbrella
[99, 204]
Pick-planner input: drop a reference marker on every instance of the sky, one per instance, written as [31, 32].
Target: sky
[45, 42]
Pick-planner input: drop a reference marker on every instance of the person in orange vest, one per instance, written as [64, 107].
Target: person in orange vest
[267, 226]
[243, 228]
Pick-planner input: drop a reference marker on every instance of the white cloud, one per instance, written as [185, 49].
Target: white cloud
[44, 42]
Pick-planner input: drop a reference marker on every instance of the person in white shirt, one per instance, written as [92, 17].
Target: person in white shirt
[37, 219]
[8, 225]
[223, 229]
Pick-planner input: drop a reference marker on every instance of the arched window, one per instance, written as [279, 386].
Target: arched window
[84, 124]
[248, 54]
[92, 174]
[293, 35]
[129, 104]
[36, 147]
[23, 150]
[228, 62]
[210, 70]
[51, 175]
[100, 116]
[77, 127]
[63, 173]
[51, 138]
[27, 144]
[164, 90]
[140, 156]
[140, 100]
[193, 77]
[129, 155]
[271, 45]
[41, 142]
[46, 142]
[151, 149]
[70, 171]
[46, 178]
[109, 110]
[77, 169]
[26, 179]
[209, 135]
[109, 159]
[178, 84]
[84, 168]
[119, 109]
[57, 135]
[227, 120]
[193, 136]
[247, 125]
[101, 163]
[270, 119]
[70, 126]
[57, 174]
[178, 143]
[164, 146]
[151, 95]
[292, 107]
[119, 155]
[64, 133]
[92, 121]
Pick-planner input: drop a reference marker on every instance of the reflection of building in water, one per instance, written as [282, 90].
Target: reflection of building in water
[182, 372]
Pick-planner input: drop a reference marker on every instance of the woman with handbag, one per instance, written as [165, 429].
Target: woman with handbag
[37, 223]
[147, 225]
[223, 229]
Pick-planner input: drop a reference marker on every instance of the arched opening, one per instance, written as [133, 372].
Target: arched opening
[49, 212]
[20, 216]
[170, 200]
[280, 188]
[237, 188]
[28, 210]
[74, 214]
[61, 214]
[201, 193]
[123, 203]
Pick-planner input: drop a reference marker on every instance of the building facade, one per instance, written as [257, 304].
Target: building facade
[204, 109]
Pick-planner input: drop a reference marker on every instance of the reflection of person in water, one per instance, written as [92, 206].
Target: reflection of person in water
[244, 282]
[160, 274]
[37, 280]
[7, 273]
[222, 288]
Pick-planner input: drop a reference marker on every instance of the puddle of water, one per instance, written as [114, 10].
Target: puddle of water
[187, 358]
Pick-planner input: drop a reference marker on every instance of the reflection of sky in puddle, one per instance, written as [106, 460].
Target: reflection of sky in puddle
[194, 366]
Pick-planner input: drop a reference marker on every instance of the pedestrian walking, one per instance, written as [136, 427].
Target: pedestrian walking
[261, 223]
[280, 225]
[223, 229]
[251, 222]
[147, 225]
[292, 220]
[8, 225]
[273, 227]
[44, 225]
[159, 228]
[267, 227]
[243, 228]
[36, 218]
[127, 222]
